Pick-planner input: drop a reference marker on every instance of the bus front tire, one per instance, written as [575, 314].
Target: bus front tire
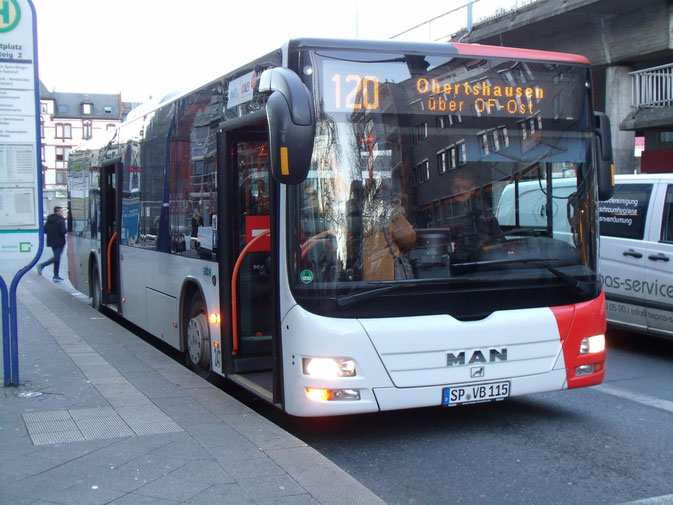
[197, 338]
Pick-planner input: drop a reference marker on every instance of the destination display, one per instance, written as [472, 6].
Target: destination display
[505, 89]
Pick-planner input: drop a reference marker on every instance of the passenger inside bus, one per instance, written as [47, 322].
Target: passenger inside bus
[387, 236]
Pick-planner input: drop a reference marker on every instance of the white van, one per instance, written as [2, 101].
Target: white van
[636, 253]
[533, 206]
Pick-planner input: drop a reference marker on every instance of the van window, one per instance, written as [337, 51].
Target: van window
[624, 214]
[667, 222]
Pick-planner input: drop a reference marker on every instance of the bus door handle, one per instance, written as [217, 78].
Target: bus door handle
[658, 257]
[234, 279]
[109, 261]
[631, 252]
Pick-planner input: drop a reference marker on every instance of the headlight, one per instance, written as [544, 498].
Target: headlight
[593, 344]
[328, 367]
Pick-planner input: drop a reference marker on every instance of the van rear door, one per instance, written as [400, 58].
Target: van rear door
[659, 264]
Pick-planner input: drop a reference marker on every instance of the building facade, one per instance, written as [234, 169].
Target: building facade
[67, 120]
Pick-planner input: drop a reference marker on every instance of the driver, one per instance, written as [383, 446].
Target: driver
[472, 224]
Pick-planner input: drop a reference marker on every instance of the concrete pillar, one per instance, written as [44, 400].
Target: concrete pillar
[618, 105]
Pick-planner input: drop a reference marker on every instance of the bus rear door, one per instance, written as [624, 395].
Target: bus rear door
[109, 228]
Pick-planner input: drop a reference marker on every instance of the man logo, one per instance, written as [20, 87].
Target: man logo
[477, 372]
[476, 356]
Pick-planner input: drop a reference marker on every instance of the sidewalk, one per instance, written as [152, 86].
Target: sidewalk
[102, 417]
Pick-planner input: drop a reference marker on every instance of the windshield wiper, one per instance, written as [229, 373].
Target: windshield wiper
[368, 294]
[579, 285]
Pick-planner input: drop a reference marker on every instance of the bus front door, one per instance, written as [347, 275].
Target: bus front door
[253, 312]
[109, 229]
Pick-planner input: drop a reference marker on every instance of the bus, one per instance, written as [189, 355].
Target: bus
[319, 226]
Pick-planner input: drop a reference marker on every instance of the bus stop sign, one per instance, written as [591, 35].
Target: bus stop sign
[21, 238]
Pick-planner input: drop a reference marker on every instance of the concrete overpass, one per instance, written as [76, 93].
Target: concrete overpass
[618, 37]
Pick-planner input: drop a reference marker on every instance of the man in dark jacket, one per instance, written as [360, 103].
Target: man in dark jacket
[55, 230]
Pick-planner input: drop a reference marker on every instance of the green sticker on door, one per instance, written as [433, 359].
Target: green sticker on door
[306, 276]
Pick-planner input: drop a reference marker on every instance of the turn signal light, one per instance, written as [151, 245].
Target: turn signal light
[588, 369]
[215, 318]
[327, 395]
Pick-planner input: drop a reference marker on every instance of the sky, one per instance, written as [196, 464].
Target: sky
[148, 48]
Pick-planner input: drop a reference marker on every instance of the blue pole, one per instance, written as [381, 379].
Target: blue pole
[5, 333]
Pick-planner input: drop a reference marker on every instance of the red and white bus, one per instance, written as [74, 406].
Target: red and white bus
[319, 226]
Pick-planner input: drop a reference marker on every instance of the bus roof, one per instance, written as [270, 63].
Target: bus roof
[458, 48]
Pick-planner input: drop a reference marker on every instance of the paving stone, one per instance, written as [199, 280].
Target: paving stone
[270, 486]
[228, 494]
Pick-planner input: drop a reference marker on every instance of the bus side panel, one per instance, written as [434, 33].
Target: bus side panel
[151, 283]
[133, 268]
[79, 250]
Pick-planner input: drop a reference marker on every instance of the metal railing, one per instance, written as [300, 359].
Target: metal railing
[462, 18]
[653, 87]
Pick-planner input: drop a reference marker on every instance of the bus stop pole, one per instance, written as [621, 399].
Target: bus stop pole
[6, 353]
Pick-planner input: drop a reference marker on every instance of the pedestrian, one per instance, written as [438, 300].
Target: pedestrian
[55, 230]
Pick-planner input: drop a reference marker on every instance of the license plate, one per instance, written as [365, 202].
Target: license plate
[475, 393]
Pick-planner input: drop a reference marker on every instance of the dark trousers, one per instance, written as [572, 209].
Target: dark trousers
[56, 260]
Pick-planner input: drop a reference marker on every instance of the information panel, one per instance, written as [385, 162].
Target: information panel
[19, 191]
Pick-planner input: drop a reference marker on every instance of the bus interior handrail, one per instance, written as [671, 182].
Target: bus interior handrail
[109, 261]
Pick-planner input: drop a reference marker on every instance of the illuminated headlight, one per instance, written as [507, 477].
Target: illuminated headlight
[328, 367]
[328, 395]
[592, 344]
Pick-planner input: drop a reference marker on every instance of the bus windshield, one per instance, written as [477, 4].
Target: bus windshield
[444, 169]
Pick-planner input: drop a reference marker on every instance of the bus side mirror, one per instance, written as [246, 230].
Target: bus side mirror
[606, 168]
[291, 118]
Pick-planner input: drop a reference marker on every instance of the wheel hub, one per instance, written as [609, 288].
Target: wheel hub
[197, 336]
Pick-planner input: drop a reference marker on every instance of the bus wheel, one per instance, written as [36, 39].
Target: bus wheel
[94, 286]
[197, 338]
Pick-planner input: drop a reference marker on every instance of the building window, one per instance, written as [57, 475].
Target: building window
[108, 110]
[62, 154]
[63, 131]
[442, 161]
[421, 132]
[43, 108]
[462, 153]
[503, 137]
[485, 145]
[423, 171]
[44, 153]
[86, 130]
[61, 177]
[42, 127]
[86, 109]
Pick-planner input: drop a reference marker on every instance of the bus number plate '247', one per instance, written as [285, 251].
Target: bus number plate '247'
[475, 393]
